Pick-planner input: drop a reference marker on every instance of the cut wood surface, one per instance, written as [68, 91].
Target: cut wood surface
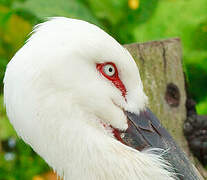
[160, 66]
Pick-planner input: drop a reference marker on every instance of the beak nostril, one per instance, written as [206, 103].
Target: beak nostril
[172, 95]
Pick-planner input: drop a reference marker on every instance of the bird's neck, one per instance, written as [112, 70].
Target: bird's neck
[94, 155]
[106, 158]
[79, 150]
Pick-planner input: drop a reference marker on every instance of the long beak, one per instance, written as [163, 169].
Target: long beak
[145, 131]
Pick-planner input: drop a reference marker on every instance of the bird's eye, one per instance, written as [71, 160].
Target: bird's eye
[109, 69]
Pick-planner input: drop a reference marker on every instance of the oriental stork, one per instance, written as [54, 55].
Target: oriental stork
[74, 94]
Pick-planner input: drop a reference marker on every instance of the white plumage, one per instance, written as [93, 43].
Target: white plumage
[58, 102]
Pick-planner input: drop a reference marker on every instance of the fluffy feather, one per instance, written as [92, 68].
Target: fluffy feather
[55, 99]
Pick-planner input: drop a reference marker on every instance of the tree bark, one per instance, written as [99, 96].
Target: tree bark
[160, 66]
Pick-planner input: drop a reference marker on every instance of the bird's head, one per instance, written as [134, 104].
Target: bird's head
[69, 92]
[79, 66]
[88, 67]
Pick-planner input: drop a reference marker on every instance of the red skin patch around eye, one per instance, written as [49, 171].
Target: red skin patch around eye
[118, 83]
[114, 79]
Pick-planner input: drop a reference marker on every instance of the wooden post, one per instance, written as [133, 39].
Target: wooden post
[160, 66]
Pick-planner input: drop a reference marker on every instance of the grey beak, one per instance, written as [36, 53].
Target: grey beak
[145, 131]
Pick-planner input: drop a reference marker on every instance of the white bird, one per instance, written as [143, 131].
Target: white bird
[71, 93]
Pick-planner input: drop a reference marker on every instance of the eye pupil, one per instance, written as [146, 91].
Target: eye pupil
[110, 69]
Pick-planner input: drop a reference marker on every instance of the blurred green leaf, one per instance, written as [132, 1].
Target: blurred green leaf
[199, 39]
[6, 2]
[13, 31]
[9, 3]
[6, 129]
[110, 10]
[202, 107]
[3, 63]
[50, 8]
[118, 19]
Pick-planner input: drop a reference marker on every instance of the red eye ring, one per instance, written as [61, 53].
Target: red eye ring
[114, 78]
[100, 68]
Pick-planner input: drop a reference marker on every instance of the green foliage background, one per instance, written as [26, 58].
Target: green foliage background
[151, 20]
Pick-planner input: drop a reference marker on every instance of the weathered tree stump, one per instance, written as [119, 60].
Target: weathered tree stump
[160, 66]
